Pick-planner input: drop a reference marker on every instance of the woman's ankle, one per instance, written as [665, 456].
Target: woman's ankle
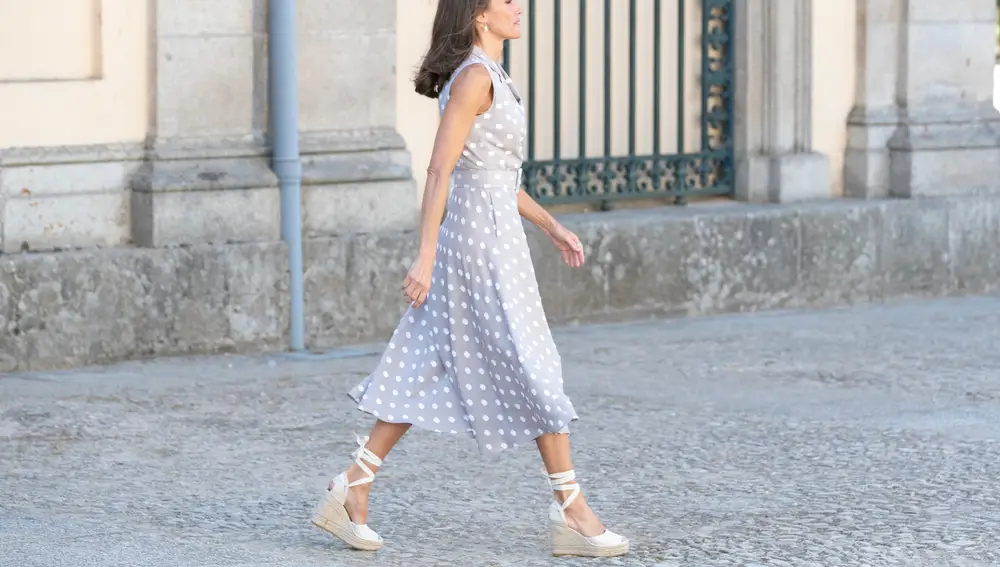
[564, 495]
[356, 473]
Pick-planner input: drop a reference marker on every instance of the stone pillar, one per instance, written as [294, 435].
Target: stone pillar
[948, 141]
[207, 175]
[773, 131]
[355, 167]
[924, 122]
[875, 116]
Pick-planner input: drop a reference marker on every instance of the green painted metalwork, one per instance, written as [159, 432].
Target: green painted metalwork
[684, 174]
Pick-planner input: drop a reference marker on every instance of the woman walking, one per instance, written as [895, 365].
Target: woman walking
[473, 353]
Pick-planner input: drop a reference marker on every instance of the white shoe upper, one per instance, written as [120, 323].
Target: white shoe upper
[341, 486]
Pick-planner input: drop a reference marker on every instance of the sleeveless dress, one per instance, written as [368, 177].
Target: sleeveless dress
[477, 357]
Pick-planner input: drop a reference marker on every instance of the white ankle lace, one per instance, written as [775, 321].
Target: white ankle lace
[560, 481]
[360, 456]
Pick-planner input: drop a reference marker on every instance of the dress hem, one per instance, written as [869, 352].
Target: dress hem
[563, 430]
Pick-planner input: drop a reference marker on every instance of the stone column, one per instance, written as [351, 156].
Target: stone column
[355, 167]
[875, 116]
[207, 176]
[948, 141]
[773, 131]
[924, 122]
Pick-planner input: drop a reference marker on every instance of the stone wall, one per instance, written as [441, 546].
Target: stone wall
[193, 164]
[76, 308]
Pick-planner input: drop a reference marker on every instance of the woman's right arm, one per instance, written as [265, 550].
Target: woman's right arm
[470, 95]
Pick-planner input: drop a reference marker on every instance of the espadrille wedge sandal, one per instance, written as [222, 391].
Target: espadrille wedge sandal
[566, 540]
[331, 514]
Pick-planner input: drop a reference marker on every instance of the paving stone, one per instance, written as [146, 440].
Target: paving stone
[861, 436]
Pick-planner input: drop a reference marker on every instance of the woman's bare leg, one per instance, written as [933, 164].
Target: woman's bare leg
[381, 439]
[554, 448]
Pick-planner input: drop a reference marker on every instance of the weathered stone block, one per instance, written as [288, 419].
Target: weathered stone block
[256, 280]
[194, 201]
[950, 65]
[357, 88]
[935, 11]
[840, 247]
[359, 207]
[951, 172]
[65, 198]
[196, 17]
[183, 304]
[866, 172]
[914, 252]
[63, 298]
[348, 167]
[753, 178]
[354, 285]
[880, 11]
[40, 179]
[974, 243]
[71, 309]
[801, 176]
[569, 292]
[877, 54]
[191, 217]
[68, 221]
[256, 269]
[742, 261]
[204, 86]
[346, 16]
[644, 262]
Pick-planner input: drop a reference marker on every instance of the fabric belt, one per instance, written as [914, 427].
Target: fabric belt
[517, 173]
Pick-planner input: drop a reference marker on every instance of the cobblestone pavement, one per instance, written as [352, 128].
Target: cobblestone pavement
[863, 436]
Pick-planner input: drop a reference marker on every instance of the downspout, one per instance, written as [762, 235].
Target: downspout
[284, 108]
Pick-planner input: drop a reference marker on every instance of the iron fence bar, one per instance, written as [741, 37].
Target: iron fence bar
[583, 78]
[557, 79]
[531, 80]
[607, 173]
[607, 78]
[729, 94]
[706, 17]
[656, 79]
[657, 176]
[680, 175]
[681, 56]
[632, 164]
[631, 76]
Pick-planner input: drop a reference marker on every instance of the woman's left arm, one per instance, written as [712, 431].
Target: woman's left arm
[529, 209]
[569, 244]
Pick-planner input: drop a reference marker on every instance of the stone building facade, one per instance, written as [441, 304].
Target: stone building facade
[139, 213]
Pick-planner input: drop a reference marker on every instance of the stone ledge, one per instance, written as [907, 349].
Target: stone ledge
[70, 309]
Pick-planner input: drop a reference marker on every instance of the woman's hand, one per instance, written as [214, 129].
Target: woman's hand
[568, 244]
[418, 280]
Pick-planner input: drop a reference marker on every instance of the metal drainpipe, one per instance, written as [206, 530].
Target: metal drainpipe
[284, 107]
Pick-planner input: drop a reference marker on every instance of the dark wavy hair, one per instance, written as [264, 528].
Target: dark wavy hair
[452, 38]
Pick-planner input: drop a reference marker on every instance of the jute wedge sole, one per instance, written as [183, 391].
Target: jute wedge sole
[331, 516]
[566, 542]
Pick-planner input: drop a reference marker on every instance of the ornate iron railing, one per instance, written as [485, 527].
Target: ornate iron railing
[703, 167]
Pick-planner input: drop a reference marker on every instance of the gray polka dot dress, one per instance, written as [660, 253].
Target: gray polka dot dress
[477, 357]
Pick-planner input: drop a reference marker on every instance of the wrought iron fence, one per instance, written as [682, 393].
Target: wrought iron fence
[700, 163]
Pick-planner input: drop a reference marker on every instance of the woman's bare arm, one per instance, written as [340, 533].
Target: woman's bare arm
[531, 210]
[566, 241]
[470, 95]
